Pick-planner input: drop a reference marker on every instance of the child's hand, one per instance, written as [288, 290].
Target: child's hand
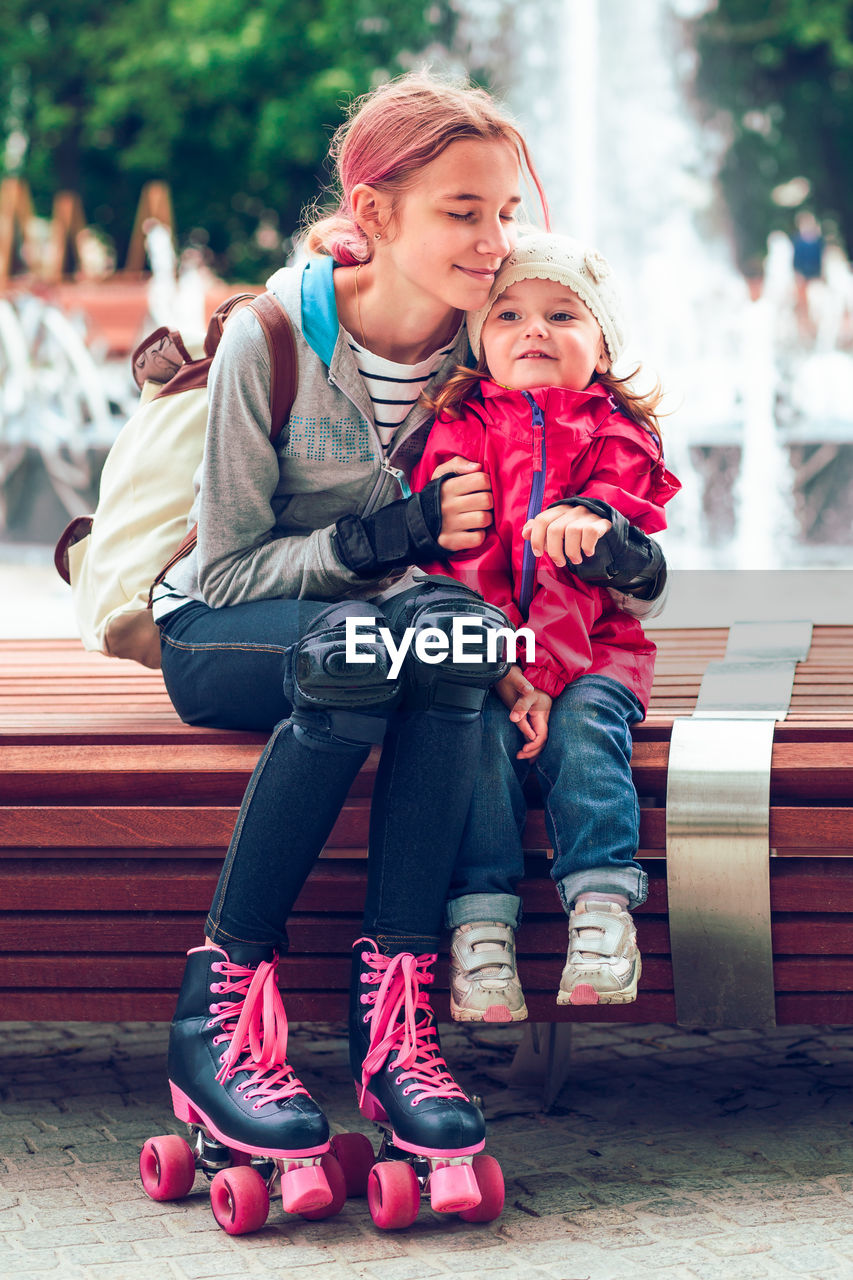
[466, 504]
[515, 691]
[535, 725]
[529, 709]
[565, 532]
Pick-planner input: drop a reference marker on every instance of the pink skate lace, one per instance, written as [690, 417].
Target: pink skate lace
[394, 1024]
[255, 1029]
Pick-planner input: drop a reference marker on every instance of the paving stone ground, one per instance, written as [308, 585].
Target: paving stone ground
[669, 1155]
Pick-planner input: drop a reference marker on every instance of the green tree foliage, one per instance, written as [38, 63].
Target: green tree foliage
[777, 78]
[232, 102]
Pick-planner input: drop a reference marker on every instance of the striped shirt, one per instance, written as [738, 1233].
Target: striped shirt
[393, 388]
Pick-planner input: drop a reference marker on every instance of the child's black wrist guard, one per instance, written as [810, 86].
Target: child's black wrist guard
[625, 558]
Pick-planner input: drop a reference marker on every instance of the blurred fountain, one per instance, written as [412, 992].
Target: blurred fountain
[764, 492]
[598, 86]
[163, 284]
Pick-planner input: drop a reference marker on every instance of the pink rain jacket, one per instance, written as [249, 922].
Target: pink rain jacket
[564, 444]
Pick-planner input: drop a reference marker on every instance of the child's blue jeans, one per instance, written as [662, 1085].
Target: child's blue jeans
[591, 810]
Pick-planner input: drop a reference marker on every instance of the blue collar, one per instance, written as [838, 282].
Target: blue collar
[320, 322]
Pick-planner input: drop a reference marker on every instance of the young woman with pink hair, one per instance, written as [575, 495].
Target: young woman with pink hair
[295, 540]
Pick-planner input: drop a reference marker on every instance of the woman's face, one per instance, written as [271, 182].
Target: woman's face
[452, 229]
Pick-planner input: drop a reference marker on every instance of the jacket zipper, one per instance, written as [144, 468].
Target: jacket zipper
[534, 506]
[399, 476]
[386, 469]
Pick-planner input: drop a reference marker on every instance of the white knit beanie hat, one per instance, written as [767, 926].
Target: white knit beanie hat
[544, 256]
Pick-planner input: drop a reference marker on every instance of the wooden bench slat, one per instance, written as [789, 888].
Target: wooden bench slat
[322, 972]
[143, 827]
[792, 1009]
[173, 933]
[146, 885]
[114, 729]
[139, 826]
[193, 771]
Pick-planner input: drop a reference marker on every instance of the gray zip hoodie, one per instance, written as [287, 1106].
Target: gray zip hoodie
[265, 513]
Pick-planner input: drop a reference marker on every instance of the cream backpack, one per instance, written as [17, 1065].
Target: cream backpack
[113, 559]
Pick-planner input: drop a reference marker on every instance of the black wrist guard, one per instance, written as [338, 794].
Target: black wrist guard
[403, 533]
[625, 559]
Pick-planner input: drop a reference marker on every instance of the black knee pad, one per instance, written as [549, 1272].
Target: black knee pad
[334, 699]
[475, 651]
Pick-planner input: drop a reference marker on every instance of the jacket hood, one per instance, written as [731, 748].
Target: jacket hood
[308, 295]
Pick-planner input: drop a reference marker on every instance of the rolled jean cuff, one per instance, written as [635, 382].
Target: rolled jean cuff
[393, 943]
[223, 938]
[474, 907]
[630, 881]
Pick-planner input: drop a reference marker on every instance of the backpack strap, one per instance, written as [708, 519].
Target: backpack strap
[217, 320]
[284, 370]
[283, 363]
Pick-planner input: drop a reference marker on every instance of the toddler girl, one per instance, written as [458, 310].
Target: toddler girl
[578, 479]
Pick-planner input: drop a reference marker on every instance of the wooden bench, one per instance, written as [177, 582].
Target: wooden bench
[114, 818]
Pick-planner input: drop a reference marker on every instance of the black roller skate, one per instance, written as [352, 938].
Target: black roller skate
[252, 1122]
[432, 1134]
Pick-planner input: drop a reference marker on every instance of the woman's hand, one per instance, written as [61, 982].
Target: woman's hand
[565, 532]
[466, 504]
[529, 709]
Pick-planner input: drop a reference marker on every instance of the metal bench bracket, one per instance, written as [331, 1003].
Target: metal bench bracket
[543, 1060]
[717, 829]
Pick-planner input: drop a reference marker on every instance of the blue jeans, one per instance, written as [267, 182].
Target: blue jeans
[591, 810]
[225, 668]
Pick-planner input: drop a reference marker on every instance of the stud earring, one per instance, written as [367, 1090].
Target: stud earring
[377, 235]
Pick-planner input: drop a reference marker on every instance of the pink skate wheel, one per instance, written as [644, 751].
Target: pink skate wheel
[490, 1180]
[338, 1187]
[354, 1153]
[584, 994]
[239, 1199]
[497, 1013]
[453, 1188]
[167, 1168]
[305, 1187]
[393, 1195]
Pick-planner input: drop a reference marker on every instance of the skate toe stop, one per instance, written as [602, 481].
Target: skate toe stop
[454, 1188]
[304, 1189]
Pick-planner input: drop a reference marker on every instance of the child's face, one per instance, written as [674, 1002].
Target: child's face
[540, 334]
